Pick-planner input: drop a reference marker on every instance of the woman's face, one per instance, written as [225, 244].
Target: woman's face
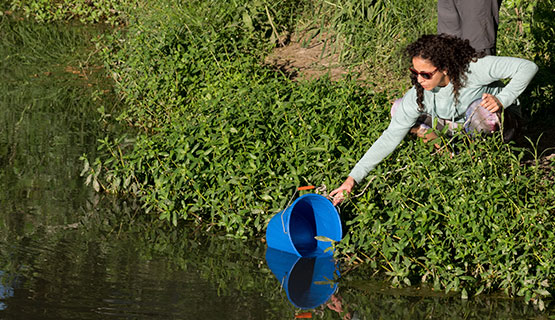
[426, 69]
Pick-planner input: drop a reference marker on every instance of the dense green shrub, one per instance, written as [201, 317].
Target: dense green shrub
[475, 221]
[197, 91]
[86, 11]
[526, 30]
[252, 138]
[171, 51]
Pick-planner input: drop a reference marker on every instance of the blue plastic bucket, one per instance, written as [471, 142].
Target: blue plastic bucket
[293, 229]
[307, 281]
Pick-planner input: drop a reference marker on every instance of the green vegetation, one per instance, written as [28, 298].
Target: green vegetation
[371, 35]
[474, 222]
[221, 140]
[86, 11]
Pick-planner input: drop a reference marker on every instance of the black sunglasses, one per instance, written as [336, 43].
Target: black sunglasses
[423, 74]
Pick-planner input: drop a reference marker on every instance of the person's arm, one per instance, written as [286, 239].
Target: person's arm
[491, 103]
[399, 126]
[404, 118]
[492, 68]
[385, 145]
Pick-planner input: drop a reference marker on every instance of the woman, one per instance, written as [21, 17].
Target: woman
[451, 83]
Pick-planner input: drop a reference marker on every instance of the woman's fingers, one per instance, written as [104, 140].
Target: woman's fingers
[335, 199]
[490, 102]
[338, 195]
[487, 102]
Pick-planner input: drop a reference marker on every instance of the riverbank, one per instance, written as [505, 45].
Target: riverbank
[223, 139]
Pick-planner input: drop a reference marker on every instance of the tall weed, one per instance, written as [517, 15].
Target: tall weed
[370, 35]
[527, 30]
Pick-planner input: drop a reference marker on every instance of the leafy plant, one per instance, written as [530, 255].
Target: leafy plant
[85, 11]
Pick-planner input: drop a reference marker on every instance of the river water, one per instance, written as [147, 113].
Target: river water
[67, 252]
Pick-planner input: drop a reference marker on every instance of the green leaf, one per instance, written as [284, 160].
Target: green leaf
[266, 197]
[247, 20]
[464, 294]
[323, 238]
[96, 185]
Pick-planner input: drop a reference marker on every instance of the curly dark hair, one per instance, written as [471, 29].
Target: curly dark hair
[446, 53]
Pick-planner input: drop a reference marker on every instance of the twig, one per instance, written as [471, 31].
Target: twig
[273, 27]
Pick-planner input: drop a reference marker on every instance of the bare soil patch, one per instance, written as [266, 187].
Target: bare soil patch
[305, 59]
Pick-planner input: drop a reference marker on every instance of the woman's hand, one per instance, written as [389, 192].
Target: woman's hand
[491, 103]
[340, 193]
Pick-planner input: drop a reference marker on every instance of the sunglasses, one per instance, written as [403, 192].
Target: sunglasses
[423, 74]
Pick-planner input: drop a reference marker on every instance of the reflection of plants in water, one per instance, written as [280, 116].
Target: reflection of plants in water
[230, 264]
[112, 243]
[51, 89]
[44, 110]
[376, 300]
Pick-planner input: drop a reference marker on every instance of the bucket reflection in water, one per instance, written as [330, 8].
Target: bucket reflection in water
[6, 289]
[307, 281]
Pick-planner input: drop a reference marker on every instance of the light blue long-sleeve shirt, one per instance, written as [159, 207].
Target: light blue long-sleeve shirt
[439, 103]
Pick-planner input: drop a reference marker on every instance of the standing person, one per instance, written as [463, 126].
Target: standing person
[475, 20]
[454, 84]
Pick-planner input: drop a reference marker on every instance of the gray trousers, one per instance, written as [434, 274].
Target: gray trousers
[474, 20]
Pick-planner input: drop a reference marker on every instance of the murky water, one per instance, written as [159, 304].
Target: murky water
[69, 253]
